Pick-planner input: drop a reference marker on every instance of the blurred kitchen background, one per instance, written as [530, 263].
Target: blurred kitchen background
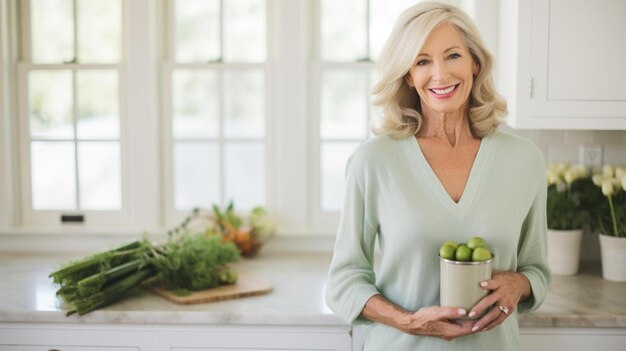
[120, 116]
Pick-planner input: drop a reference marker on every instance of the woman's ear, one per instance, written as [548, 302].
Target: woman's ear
[409, 80]
[475, 68]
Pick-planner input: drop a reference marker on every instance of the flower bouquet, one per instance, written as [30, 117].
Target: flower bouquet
[611, 222]
[568, 196]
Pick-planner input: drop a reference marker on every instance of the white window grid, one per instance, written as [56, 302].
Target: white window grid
[28, 217]
[172, 215]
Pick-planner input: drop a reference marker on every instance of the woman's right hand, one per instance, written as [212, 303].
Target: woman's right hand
[441, 322]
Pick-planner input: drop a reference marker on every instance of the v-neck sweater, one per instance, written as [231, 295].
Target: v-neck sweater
[393, 195]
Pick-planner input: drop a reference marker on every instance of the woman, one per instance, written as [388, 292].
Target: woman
[438, 170]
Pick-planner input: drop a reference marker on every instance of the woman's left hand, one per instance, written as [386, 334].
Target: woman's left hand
[507, 290]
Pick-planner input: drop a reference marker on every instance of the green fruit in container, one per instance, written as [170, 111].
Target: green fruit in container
[476, 242]
[451, 243]
[463, 253]
[447, 251]
[481, 254]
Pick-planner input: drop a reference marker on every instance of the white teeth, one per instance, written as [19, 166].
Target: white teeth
[444, 91]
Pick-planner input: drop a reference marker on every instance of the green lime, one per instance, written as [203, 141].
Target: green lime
[475, 242]
[451, 243]
[481, 254]
[447, 251]
[463, 253]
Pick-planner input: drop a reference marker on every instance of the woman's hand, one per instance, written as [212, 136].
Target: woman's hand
[507, 290]
[437, 321]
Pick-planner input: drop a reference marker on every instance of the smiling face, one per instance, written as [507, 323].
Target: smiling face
[443, 73]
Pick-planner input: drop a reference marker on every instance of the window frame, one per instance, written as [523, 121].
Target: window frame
[173, 216]
[51, 217]
[132, 71]
[9, 176]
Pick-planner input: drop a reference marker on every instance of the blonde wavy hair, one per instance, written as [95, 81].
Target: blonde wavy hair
[400, 107]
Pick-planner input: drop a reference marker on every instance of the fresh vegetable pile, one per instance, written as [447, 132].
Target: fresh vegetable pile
[184, 263]
[248, 232]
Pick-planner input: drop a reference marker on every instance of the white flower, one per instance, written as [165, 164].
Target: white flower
[620, 172]
[608, 171]
[552, 177]
[624, 183]
[569, 177]
[597, 179]
[559, 167]
[581, 171]
[607, 187]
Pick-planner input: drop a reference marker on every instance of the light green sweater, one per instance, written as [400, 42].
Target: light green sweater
[393, 194]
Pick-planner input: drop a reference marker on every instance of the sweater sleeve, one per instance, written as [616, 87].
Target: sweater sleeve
[351, 278]
[532, 258]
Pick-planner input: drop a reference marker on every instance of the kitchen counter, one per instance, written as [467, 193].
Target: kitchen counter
[28, 295]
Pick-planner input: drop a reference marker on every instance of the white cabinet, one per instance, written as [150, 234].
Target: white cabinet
[255, 338]
[98, 337]
[63, 348]
[68, 337]
[561, 63]
[573, 339]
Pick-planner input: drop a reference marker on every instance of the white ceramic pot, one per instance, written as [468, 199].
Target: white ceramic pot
[613, 253]
[564, 251]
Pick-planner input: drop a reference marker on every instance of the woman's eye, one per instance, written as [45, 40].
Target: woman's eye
[422, 62]
[454, 56]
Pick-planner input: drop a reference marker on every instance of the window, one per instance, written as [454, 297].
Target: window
[131, 113]
[216, 109]
[70, 108]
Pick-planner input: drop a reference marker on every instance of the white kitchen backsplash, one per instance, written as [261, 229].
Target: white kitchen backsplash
[564, 145]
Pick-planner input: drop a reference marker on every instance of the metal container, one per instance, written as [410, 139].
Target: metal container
[459, 284]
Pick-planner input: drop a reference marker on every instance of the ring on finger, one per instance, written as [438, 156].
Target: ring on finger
[504, 309]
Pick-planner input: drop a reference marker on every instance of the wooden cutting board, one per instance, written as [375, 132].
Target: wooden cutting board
[248, 284]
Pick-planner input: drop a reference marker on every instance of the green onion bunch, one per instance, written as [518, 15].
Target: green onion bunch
[185, 262]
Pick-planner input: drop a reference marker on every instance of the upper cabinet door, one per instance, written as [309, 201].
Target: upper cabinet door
[562, 65]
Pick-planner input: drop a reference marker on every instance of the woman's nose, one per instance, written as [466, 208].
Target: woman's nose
[440, 71]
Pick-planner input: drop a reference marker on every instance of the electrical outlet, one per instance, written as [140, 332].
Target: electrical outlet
[591, 155]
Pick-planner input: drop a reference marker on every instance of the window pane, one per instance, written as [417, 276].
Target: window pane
[98, 104]
[196, 175]
[53, 175]
[50, 104]
[343, 30]
[196, 104]
[52, 31]
[244, 30]
[383, 16]
[197, 26]
[99, 172]
[244, 174]
[344, 104]
[244, 104]
[99, 31]
[333, 158]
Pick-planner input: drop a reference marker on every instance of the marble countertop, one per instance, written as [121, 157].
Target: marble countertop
[298, 279]
[583, 300]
